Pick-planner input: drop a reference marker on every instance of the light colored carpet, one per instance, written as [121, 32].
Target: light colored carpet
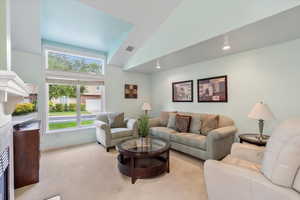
[88, 172]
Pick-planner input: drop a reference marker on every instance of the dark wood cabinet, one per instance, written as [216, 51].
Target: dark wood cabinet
[26, 153]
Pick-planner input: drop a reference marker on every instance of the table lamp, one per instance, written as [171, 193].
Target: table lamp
[261, 112]
[146, 107]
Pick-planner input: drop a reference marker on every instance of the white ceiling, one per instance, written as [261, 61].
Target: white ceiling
[146, 16]
[275, 29]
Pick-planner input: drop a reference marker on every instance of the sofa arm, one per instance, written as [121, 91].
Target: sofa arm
[103, 132]
[132, 125]
[101, 124]
[250, 153]
[225, 181]
[154, 122]
[219, 142]
[223, 132]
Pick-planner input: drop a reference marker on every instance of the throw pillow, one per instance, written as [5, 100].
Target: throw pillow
[116, 120]
[183, 123]
[172, 121]
[195, 126]
[210, 123]
[164, 118]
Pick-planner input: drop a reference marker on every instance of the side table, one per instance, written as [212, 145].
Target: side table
[252, 138]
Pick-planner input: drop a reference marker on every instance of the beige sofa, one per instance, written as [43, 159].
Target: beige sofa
[215, 145]
[259, 173]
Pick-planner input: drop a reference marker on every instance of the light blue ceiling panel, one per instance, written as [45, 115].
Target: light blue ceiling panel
[74, 23]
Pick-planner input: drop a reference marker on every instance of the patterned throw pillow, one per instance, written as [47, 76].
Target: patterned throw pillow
[183, 123]
[209, 123]
[116, 120]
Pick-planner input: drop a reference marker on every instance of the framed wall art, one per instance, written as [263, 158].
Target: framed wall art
[131, 91]
[182, 91]
[212, 89]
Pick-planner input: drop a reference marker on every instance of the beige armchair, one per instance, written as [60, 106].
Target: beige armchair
[110, 137]
[257, 173]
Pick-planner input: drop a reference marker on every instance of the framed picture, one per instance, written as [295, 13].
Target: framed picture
[131, 91]
[212, 89]
[182, 91]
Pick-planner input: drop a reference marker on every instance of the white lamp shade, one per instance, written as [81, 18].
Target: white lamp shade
[261, 111]
[146, 106]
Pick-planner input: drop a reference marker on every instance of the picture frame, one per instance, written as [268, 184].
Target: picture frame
[212, 90]
[182, 91]
[131, 91]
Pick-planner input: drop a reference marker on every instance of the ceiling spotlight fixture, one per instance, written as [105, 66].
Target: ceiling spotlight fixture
[226, 45]
[157, 64]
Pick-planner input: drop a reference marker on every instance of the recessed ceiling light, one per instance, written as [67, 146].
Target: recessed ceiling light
[226, 45]
[157, 64]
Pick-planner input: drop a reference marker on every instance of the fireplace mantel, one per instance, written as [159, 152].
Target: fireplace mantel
[12, 90]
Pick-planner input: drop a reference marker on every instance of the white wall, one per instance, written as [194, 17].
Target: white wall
[194, 21]
[115, 79]
[270, 74]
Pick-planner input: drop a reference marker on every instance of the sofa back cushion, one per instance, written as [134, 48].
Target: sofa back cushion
[225, 121]
[209, 123]
[116, 120]
[172, 121]
[164, 117]
[281, 160]
[102, 117]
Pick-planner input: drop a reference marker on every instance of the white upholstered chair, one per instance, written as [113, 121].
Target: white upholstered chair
[253, 173]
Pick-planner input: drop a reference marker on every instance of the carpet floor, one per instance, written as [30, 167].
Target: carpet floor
[87, 172]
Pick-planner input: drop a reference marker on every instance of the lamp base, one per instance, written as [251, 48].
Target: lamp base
[261, 137]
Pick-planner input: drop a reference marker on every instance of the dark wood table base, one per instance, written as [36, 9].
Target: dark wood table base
[144, 167]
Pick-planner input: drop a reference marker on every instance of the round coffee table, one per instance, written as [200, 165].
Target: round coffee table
[143, 158]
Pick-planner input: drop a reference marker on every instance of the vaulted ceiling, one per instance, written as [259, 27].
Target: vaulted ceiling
[155, 28]
[74, 23]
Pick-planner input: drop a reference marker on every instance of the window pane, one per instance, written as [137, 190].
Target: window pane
[71, 63]
[90, 99]
[62, 107]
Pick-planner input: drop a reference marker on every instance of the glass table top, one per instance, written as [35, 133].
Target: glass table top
[143, 145]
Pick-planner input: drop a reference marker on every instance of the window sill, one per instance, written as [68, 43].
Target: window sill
[70, 129]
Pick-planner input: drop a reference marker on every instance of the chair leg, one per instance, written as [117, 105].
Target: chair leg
[106, 148]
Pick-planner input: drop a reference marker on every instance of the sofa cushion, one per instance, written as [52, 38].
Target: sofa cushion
[209, 123]
[281, 160]
[162, 132]
[116, 120]
[120, 132]
[190, 139]
[172, 121]
[164, 118]
[182, 123]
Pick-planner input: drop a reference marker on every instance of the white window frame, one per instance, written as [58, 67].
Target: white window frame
[76, 75]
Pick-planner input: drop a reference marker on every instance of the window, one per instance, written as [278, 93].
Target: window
[75, 90]
[73, 63]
